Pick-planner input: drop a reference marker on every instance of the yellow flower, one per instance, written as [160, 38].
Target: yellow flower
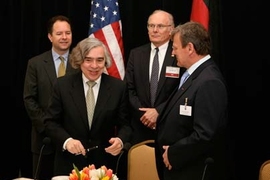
[91, 173]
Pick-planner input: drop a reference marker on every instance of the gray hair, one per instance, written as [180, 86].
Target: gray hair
[169, 16]
[80, 51]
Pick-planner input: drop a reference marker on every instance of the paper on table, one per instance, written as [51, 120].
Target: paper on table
[60, 178]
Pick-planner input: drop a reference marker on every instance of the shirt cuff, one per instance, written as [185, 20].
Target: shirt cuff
[122, 145]
[65, 143]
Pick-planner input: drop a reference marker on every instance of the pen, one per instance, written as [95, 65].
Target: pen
[88, 149]
[91, 148]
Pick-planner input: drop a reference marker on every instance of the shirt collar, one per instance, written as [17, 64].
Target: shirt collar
[56, 56]
[85, 80]
[194, 66]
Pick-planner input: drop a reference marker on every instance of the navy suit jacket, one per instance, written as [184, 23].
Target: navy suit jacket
[193, 138]
[39, 79]
[137, 78]
[67, 117]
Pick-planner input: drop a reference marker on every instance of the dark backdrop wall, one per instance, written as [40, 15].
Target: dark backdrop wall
[241, 52]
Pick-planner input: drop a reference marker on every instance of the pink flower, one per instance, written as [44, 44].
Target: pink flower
[91, 173]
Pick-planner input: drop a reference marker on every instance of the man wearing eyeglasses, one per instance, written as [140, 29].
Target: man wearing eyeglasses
[147, 103]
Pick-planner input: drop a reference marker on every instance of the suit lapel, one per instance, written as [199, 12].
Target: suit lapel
[168, 61]
[175, 98]
[144, 64]
[77, 93]
[103, 98]
[179, 92]
[49, 67]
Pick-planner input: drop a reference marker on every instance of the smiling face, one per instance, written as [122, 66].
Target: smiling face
[94, 63]
[61, 36]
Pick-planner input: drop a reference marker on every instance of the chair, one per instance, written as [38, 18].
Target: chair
[141, 162]
[264, 172]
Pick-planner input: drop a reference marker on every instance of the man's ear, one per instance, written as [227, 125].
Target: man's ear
[50, 37]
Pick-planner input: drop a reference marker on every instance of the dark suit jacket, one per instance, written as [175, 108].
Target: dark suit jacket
[137, 78]
[39, 79]
[67, 117]
[192, 139]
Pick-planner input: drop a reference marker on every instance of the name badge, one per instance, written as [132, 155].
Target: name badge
[172, 72]
[185, 110]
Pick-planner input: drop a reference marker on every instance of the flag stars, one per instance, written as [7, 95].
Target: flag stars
[106, 8]
[97, 5]
[103, 13]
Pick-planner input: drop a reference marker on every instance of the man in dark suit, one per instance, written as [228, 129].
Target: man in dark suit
[138, 76]
[42, 71]
[192, 129]
[67, 122]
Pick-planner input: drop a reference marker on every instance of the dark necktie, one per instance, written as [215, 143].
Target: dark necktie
[90, 102]
[62, 67]
[154, 78]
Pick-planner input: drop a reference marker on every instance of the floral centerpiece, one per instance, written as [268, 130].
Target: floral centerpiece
[91, 173]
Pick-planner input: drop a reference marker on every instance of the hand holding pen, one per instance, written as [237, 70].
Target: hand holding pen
[87, 150]
[75, 147]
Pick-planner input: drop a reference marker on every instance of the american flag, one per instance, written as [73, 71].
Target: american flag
[105, 24]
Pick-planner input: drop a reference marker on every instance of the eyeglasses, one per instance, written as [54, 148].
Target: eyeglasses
[158, 26]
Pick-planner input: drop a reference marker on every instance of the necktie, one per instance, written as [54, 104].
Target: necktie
[61, 68]
[154, 78]
[90, 101]
[184, 78]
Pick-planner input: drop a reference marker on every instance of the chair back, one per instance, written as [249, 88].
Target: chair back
[264, 172]
[141, 162]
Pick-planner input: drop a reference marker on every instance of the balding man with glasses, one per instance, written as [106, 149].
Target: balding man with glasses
[151, 84]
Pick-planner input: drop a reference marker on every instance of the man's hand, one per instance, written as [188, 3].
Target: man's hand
[149, 118]
[165, 158]
[75, 146]
[116, 146]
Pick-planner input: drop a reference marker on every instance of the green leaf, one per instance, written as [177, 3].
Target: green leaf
[77, 171]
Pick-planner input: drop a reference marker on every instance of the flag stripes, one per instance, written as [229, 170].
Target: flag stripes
[105, 24]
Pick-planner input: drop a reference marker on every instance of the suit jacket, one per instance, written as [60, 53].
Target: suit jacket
[193, 138]
[39, 79]
[137, 78]
[67, 117]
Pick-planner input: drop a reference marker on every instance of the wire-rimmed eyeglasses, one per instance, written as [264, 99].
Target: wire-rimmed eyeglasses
[158, 26]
